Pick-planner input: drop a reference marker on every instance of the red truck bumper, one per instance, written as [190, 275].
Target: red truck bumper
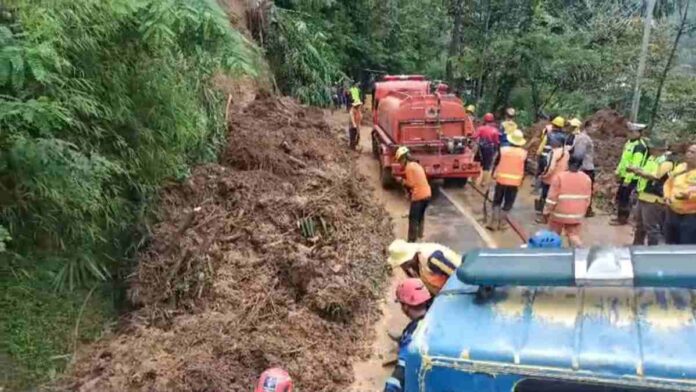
[443, 166]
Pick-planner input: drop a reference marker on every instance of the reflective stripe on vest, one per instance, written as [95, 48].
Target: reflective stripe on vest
[510, 170]
[573, 197]
[567, 216]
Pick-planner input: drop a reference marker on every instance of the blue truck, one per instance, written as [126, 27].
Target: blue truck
[522, 320]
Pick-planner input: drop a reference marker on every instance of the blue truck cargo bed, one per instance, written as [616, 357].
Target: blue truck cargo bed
[628, 337]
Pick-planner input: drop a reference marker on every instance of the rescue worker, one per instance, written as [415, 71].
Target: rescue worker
[508, 125]
[355, 116]
[469, 120]
[680, 195]
[355, 93]
[416, 182]
[583, 146]
[557, 132]
[274, 380]
[568, 200]
[573, 130]
[488, 145]
[509, 174]
[544, 239]
[650, 213]
[556, 161]
[634, 154]
[414, 299]
[431, 263]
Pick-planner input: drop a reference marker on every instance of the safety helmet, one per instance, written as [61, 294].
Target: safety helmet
[488, 117]
[558, 122]
[545, 239]
[412, 292]
[274, 380]
[471, 109]
[575, 123]
[510, 112]
[400, 152]
[517, 138]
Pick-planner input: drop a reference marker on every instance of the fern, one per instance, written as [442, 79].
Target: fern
[100, 101]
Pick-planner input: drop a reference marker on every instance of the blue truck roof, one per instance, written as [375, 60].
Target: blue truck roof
[630, 336]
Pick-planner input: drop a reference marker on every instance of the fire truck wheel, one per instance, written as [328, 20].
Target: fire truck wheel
[455, 182]
[386, 177]
[375, 147]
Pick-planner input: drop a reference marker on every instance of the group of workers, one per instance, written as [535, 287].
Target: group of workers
[661, 194]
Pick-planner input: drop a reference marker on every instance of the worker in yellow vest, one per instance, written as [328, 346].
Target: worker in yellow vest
[508, 174]
[634, 155]
[680, 196]
[650, 211]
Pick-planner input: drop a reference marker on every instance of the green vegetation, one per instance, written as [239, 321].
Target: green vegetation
[101, 101]
[541, 56]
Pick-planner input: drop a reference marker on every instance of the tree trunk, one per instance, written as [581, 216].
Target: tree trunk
[635, 105]
[668, 65]
[454, 46]
[484, 51]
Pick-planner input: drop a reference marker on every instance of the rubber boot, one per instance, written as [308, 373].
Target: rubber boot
[502, 220]
[590, 213]
[494, 219]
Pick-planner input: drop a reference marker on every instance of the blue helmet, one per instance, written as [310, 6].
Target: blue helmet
[545, 239]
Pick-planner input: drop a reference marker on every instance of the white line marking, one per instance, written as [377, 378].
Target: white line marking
[482, 232]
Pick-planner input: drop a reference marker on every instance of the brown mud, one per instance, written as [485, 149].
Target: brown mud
[274, 257]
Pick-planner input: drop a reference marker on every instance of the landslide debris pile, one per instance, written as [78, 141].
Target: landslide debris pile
[272, 258]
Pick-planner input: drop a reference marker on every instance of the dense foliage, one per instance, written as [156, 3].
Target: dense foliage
[541, 56]
[102, 101]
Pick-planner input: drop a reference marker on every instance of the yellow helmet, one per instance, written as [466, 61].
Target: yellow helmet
[400, 152]
[471, 109]
[575, 123]
[559, 122]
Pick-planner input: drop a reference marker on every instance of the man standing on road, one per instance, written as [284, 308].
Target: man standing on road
[414, 299]
[355, 115]
[469, 120]
[634, 155]
[567, 202]
[650, 212]
[556, 162]
[509, 174]
[416, 182]
[488, 144]
[680, 195]
[583, 146]
[508, 125]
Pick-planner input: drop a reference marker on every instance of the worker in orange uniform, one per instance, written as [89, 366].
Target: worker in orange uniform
[680, 195]
[509, 173]
[568, 200]
[488, 144]
[416, 182]
[354, 126]
[556, 158]
[432, 263]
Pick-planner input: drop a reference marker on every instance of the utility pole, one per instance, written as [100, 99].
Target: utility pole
[643, 57]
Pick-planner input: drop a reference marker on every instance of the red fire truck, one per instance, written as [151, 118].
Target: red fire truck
[411, 111]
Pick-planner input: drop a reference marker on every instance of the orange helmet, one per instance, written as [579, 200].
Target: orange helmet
[274, 380]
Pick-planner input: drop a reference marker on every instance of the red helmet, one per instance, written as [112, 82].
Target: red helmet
[488, 117]
[412, 292]
[274, 380]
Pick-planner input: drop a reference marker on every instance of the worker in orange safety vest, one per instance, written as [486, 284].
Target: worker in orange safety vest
[568, 200]
[430, 262]
[680, 196]
[557, 162]
[416, 182]
[508, 174]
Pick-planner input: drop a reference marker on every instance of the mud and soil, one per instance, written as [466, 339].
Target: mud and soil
[231, 283]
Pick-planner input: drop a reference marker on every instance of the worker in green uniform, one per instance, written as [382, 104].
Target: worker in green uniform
[635, 152]
[650, 212]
